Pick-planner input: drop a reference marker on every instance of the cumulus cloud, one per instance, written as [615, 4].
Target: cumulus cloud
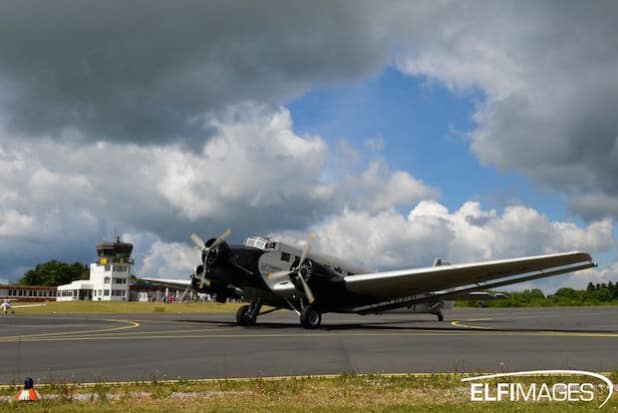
[254, 174]
[147, 72]
[389, 239]
[168, 260]
[548, 76]
[93, 82]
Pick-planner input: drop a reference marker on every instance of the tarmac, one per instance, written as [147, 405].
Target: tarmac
[135, 347]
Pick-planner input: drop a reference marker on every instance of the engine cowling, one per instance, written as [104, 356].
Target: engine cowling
[216, 255]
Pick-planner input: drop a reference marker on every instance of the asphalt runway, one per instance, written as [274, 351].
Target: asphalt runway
[94, 348]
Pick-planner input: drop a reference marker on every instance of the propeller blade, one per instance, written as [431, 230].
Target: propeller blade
[308, 292]
[221, 238]
[198, 241]
[203, 280]
[306, 250]
[197, 250]
[202, 246]
[278, 274]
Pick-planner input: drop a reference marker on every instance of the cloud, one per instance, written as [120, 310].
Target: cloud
[168, 260]
[142, 71]
[591, 206]
[147, 72]
[254, 174]
[580, 280]
[548, 75]
[389, 239]
[84, 87]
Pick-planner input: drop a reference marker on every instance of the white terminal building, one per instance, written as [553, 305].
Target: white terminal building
[109, 276]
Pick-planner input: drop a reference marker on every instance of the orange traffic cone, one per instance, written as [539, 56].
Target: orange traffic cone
[28, 393]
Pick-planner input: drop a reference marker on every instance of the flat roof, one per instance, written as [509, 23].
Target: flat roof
[28, 287]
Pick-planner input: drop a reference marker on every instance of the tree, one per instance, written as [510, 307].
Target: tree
[54, 273]
[566, 292]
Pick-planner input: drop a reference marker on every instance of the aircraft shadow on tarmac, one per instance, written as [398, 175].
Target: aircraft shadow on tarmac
[393, 326]
[380, 325]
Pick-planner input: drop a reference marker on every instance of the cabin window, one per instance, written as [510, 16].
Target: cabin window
[285, 257]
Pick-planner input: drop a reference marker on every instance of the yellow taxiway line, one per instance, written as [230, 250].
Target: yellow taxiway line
[24, 337]
[159, 336]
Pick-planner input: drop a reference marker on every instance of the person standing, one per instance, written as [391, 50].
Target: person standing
[6, 304]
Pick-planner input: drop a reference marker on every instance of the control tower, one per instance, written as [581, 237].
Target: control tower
[109, 275]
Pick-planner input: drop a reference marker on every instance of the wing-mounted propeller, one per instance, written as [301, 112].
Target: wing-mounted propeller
[211, 251]
[301, 271]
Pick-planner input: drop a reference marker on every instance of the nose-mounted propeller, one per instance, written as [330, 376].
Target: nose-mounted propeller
[299, 270]
[206, 249]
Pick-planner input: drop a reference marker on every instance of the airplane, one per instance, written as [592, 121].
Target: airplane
[265, 272]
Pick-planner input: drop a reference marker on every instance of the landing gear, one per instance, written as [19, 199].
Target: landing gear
[310, 317]
[247, 314]
[440, 315]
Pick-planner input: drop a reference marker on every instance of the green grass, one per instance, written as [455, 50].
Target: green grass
[346, 393]
[101, 307]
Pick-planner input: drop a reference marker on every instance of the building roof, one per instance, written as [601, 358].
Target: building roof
[77, 285]
[28, 287]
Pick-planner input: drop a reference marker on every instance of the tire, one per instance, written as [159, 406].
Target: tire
[243, 318]
[310, 317]
[440, 317]
[241, 315]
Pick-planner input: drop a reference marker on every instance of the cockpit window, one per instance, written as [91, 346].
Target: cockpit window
[259, 242]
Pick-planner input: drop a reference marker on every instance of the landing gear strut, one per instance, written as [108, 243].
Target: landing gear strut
[440, 315]
[247, 314]
[310, 317]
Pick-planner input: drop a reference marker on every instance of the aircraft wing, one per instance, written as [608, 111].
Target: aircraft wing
[407, 286]
[479, 295]
[164, 282]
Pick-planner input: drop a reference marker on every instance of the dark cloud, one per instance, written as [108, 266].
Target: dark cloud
[156, 72]
[142, 71]
[548, 70]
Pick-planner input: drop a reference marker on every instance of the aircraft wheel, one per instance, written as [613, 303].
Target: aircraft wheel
[440, 317]
[310, 317]
[243, 316]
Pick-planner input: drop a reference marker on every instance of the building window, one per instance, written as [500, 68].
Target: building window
[106, 280]
[106, 293]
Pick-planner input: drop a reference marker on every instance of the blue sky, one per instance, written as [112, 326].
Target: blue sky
[423, 126]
